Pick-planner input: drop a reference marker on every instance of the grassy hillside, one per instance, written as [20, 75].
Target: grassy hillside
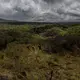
[39, 52]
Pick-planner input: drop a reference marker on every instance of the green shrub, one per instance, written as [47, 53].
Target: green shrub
[73, 30]
[54, 32]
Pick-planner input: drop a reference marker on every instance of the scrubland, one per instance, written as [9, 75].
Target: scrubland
[40, 52]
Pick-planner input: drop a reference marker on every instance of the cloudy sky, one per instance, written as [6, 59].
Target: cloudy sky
[40, 10]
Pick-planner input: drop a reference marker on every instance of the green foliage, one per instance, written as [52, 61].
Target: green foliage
[44, 52]
[13, 33]
[73, 30]
[54, 32]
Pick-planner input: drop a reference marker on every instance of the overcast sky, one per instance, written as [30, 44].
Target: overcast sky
[40, 10]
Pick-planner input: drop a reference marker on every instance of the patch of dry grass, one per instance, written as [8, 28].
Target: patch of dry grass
[22, 62]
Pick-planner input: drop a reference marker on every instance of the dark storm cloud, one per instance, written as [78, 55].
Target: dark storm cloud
[43, 10]
[53, 1]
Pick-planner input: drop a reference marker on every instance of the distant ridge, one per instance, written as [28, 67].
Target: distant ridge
[1, 20]
[5, 20]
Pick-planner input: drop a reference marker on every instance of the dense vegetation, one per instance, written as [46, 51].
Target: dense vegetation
[40, 52]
